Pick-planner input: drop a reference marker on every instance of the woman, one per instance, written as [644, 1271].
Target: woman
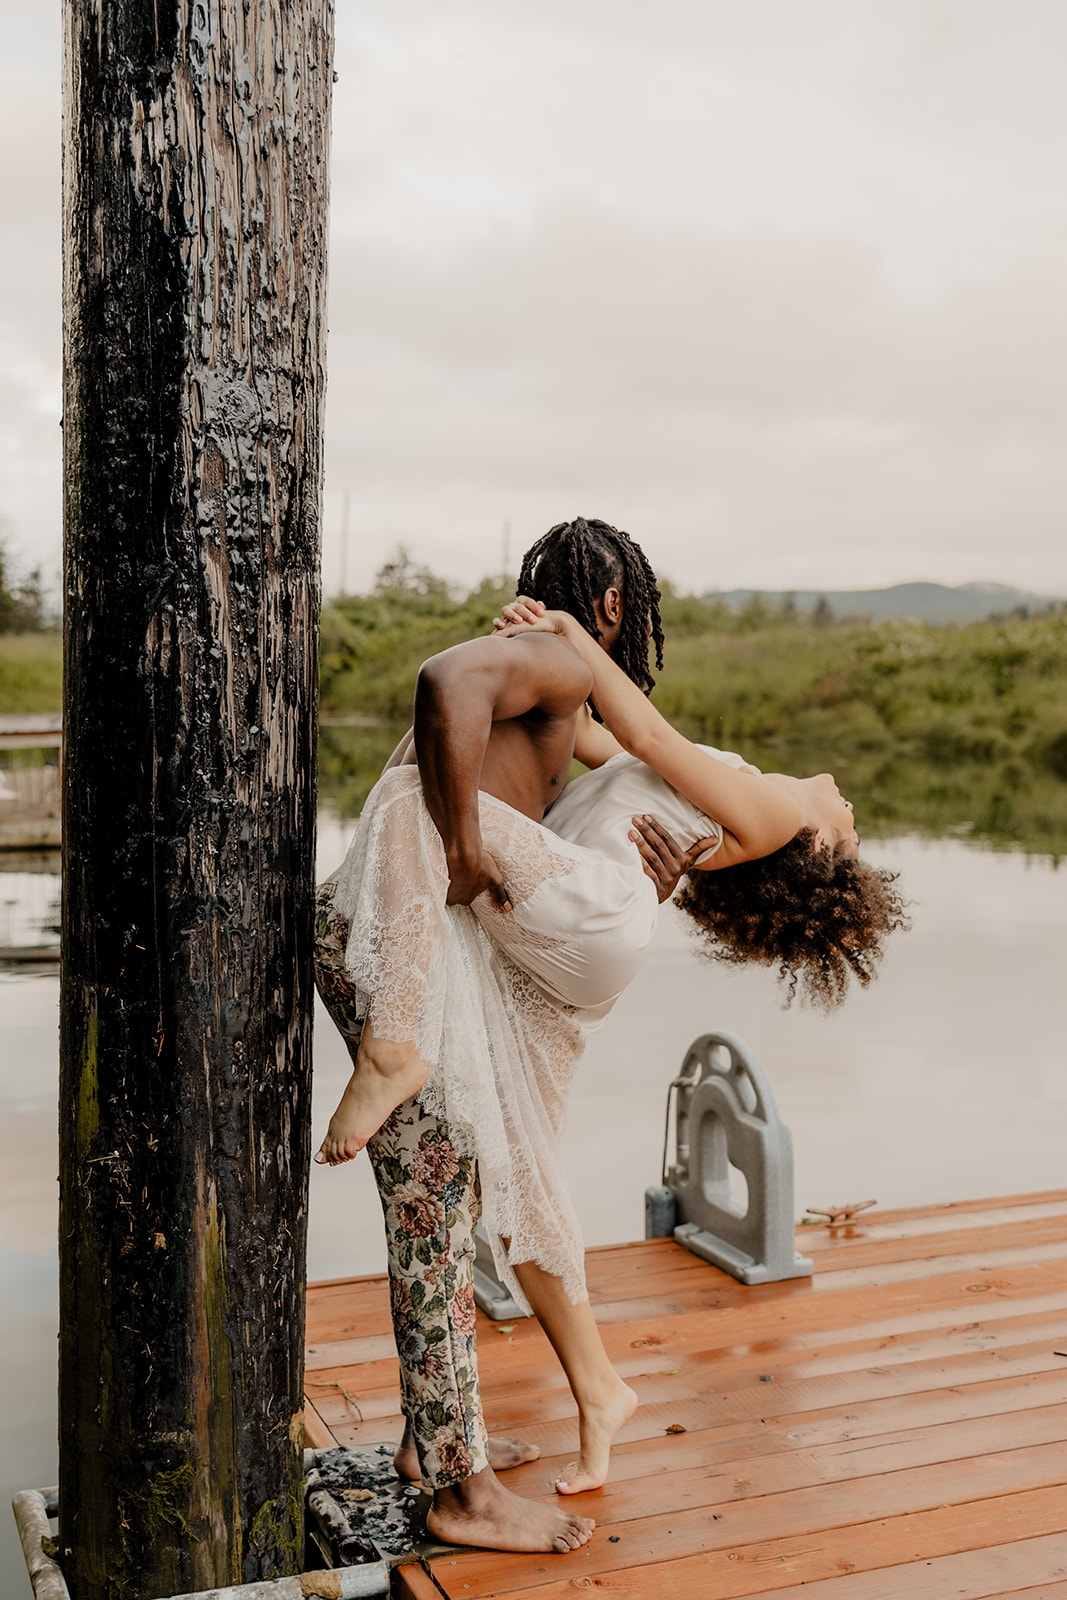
[497, 1005]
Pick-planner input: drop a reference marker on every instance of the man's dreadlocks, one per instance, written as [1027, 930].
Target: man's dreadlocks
[575, 562]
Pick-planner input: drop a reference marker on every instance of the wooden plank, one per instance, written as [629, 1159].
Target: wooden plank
[360, 1280]
[606, 1261]
[847, 1388]
[350, 1352]
[347, 1396]
[805, 1393]
[981, 1241]
[666, 1490]
[381, 1378]
[557, 1441]
[317, 1435]
[684, 1346]
[764, 1565]
[822, 1239]
[664, 1256]
[809, 1511]
[963, 1577]
[1043, 1591]
[410, 1581]
[963, 1207]
[716, 1348]
[842, 1298]
[666, 1275]
[340, 1405]
[898, 1376]
[356, 1323]
[1033, 1568]
[925, 1267]
[603, 1262]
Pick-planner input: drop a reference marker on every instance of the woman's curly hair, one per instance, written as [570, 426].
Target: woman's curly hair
[818, 915]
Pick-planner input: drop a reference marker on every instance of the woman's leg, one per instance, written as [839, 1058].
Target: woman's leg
[385, 1073]
[605, 1403]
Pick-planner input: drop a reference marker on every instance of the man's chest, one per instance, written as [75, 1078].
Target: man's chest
[526, 763]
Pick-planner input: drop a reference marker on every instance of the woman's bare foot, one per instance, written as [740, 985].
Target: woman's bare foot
[480, 1511]
[503, 1455]
[597, 1427]
[386, 1074]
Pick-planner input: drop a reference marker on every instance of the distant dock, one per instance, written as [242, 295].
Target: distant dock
[895, 1425]
[29, 796]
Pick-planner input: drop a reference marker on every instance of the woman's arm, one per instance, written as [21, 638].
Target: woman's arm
[757, 815]
[593, 743]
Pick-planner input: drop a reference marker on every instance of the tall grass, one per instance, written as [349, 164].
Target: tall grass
[957, 728]
[31, 672]
[985, 691]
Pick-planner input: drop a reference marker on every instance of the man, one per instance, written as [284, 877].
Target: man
[497, 717]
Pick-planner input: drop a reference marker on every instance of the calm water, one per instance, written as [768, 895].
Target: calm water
[946, 1080]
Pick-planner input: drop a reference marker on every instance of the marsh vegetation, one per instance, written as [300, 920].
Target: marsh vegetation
[931, 730]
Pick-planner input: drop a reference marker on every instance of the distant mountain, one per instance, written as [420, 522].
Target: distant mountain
[926, 602]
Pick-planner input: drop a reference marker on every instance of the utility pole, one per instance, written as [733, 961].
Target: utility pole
[345, 508]
[196, 142]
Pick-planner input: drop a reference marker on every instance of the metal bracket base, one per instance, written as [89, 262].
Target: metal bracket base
[736, 1262]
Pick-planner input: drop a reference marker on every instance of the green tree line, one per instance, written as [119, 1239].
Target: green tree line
[22, 599]
[939, 728]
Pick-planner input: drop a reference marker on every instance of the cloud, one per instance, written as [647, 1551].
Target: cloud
[778, 287]
[765, 393]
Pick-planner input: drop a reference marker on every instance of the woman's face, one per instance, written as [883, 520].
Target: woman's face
[829, 813]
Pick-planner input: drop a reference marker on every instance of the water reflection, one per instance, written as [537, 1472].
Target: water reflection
[29, 904]
[944, 1082]
[1007, 805]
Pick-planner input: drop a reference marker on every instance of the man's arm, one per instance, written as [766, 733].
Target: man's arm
[458, 697]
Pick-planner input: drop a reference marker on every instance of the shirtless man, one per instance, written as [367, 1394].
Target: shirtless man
[497, 715]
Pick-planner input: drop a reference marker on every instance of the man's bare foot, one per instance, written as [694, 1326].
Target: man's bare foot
[480, 1511]
[386, 1074]
[597, 1427]
[503, 1455]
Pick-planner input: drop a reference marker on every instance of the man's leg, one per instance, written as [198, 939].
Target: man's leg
[429, 1195]
[430, 1199]
[336, 990]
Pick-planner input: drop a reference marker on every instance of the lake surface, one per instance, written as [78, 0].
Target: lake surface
[947, 1080]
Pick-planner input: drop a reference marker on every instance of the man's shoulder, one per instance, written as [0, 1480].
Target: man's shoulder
[521, 651]
[541, 665]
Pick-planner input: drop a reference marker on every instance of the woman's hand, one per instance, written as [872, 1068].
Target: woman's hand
[663, 859]
[520, 610]
[524, 615]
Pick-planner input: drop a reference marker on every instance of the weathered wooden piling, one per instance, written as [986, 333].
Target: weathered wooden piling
[195, 217]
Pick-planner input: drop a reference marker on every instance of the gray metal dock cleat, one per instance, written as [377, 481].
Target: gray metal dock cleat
[726, 1115]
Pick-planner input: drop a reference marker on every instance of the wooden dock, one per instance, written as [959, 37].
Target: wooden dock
[894, 1428]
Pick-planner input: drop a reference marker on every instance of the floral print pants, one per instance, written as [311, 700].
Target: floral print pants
[431, 1202]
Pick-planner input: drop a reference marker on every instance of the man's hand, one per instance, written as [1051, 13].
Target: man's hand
[664, 861]
[470, 876]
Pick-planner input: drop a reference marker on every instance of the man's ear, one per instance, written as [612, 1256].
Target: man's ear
[612, 604]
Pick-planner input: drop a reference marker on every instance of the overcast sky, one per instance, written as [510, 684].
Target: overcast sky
[780, 286]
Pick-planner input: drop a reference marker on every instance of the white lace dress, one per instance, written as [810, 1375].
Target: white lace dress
[500, 1004]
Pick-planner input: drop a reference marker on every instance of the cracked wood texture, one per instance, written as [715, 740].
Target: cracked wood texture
[196, 146]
